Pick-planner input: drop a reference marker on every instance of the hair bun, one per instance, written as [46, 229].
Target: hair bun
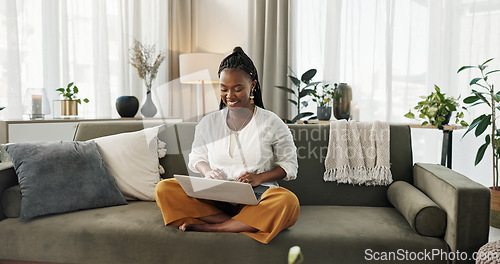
[238, 49]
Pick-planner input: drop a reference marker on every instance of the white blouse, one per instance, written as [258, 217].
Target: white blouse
[266, 142]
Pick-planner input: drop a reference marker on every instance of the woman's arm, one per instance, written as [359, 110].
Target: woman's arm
[208, 172]
[275, 174]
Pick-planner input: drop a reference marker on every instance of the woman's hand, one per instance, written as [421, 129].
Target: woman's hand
[253, 179]
[215, 174]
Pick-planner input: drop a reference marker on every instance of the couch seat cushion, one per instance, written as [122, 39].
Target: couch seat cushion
[135, 233]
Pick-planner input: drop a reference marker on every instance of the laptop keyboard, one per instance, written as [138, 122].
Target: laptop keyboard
[259, 190]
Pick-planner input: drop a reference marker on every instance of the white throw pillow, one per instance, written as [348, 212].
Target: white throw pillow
[133, 160]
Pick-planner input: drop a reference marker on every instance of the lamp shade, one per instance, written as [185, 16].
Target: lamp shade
[195, 68]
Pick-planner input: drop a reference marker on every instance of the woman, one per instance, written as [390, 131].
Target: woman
[241, 142]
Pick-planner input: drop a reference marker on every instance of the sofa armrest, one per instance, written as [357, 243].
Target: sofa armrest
[466, 203]
[8, 178]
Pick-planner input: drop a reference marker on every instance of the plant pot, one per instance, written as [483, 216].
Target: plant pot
[127, 106]
[342, 104]
[69, 108]
[495, 208]
[446, 121]
[324, 113]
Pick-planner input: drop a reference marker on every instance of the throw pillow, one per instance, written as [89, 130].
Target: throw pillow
[423, 214]
[133, 160]
[59, 177]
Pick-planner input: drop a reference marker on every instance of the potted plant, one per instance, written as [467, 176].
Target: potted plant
[486, 95]
[323, 98]
[70, 101]
[301, 90]
[436, 109]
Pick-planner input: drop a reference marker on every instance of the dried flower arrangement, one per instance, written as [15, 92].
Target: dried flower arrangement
[146, 61]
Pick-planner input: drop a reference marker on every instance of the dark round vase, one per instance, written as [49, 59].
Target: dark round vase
[127, 106]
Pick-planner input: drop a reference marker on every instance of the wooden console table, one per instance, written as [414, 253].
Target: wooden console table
[53, 129]
[446, 149]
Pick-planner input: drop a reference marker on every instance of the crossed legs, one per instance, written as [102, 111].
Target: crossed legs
[277, 210]
[218, 223]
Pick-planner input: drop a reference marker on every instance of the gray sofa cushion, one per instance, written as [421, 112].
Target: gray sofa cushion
[11, 202]
[135, 233]
[58, 177]
[423, 215]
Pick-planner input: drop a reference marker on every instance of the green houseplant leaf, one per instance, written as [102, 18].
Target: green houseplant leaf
[295, 81]
[474, 124]
[481, 127]
[481, 150]
[308, 75]
[301, 115]
[285, 89]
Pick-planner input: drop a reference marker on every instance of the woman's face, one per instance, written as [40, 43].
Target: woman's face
[235, 87]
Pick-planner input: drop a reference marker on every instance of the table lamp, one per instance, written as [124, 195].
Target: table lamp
[199, 68]
[36, 103]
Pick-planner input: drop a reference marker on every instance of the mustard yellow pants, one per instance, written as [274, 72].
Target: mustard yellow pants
[277, 210]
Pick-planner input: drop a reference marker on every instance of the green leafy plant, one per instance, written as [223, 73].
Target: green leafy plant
[436, 109]
[301, 88]
[71, 93]
[485, 95]
[325, 96]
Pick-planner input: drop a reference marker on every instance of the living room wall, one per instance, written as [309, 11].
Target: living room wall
[219, 26]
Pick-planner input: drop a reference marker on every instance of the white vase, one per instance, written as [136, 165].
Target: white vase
[148, 109]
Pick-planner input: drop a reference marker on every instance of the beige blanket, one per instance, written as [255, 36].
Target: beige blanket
[358, 153]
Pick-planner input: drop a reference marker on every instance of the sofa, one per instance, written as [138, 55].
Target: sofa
[338, 223]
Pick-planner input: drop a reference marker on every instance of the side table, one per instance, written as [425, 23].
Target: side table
[446, 149]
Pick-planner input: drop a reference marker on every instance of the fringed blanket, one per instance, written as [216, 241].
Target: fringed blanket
[358, 153]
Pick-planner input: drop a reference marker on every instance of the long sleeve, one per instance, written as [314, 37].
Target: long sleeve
[199, 150]
[285, 152]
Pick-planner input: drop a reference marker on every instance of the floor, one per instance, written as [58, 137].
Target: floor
[494, 234]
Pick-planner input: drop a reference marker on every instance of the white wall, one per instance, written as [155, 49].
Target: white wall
[219, 26]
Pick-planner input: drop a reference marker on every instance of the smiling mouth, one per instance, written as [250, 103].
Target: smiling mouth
[232, 103]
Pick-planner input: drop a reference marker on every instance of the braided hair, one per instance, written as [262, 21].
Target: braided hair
[239, 60]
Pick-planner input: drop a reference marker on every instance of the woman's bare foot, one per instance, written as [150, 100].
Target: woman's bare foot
[185, 227]
[215, 219]
[231, 225]
[197, 227]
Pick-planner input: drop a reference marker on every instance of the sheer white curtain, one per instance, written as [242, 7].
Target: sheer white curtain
[391, 52]
[53, 42]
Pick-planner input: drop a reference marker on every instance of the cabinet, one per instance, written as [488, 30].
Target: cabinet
[13, 131]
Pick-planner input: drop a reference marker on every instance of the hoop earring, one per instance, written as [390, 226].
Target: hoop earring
[251, 97]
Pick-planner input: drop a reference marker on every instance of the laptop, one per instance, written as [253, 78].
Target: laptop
[221, 190]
